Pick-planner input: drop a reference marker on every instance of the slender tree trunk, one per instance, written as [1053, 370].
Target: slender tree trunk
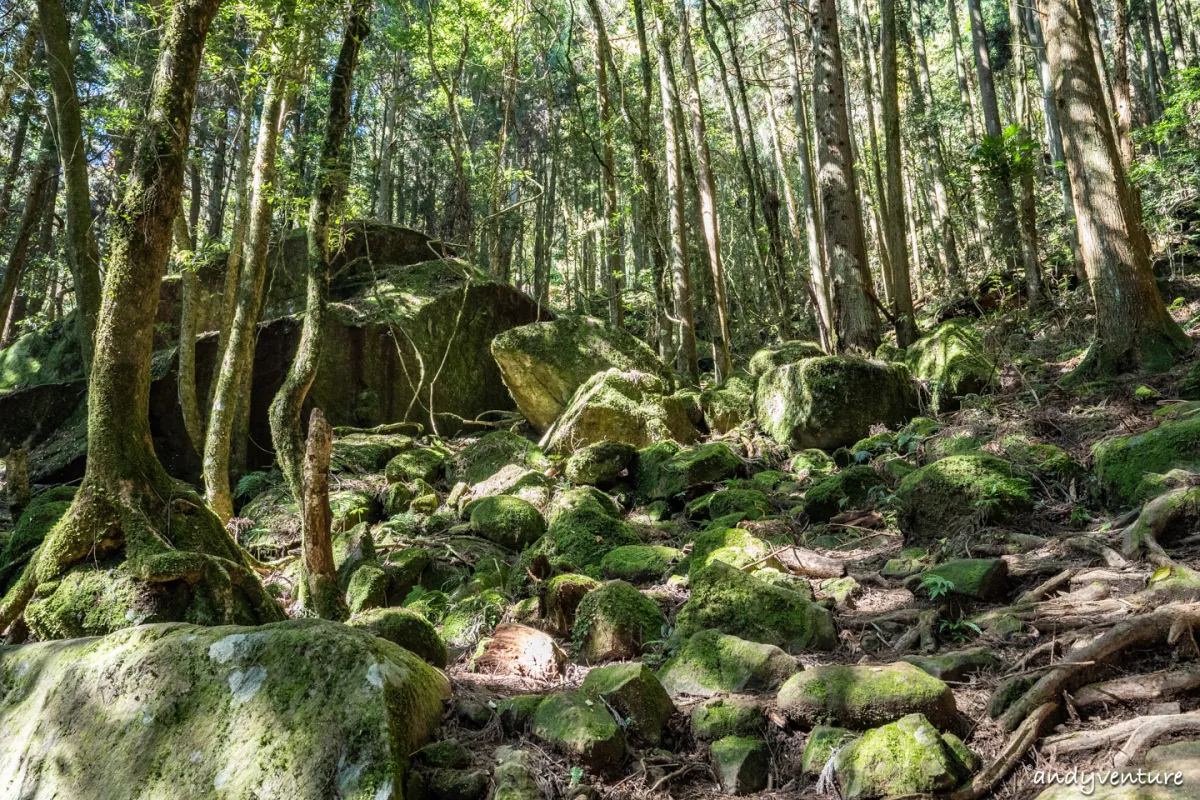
[332, 179]
[189, 406]
[238, 358]
[611, 261]
[708, 198]
[320, 591]
[906, 318]
[1178, 54]
[45, 172]
[1133, 329]
[856, 325]
[22, 57]
[215, 212]
[686, 358]
[1160, 45]
[1121, 94]
[83, 253]
[1025, 169]
[16, 154]
[1154, 86]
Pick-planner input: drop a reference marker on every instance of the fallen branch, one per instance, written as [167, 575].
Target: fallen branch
[1043, 590]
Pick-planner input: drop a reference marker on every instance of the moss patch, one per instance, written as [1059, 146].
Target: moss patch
[1121, 462]
[848, 489]
[616, 621]
[866, 696]
[710, 662]
[951, 495]
[639, 564]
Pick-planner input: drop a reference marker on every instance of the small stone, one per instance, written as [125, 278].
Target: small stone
[367, 589]
[977, 578]
[615, 621]
[406, 628]
[727, 716]
[457, 784]
[822, 743]
[423, 464]
[516, 712]
[968, 757]
[563, 595]
[601, 464]
[905, 757]
[514, 776]
[957, 665]
[507, 521]
[446, 754]
[742, 764]
[473, 714]
[639, 563]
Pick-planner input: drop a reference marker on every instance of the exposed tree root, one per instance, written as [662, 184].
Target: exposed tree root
[1015, 748]
[1138, 688]
[1137, 734]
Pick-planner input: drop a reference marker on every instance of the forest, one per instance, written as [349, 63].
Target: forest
[599, 399]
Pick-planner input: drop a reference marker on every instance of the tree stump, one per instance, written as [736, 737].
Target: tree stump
[320, 593]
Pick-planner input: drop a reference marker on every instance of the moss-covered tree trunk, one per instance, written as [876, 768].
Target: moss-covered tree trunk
[332, 179]
[127, 506]
[40, 184]
[189, 405]
[1133, 329]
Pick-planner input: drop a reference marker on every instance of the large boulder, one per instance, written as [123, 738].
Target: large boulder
[633, 691]
[860, 697]
[486, 456]
[953, 494]
[544, 363]
[726, 599]
[832, 401]
[664, 470]
[615, 621]
[295, 709]
[581, 726]
[952, 363]
[711, 662]
[630, 407]
[907, 757]
[1123, 464]
[777, 355]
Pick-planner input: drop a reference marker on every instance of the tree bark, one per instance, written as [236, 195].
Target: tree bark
[856, 325]
[43, 178]
[15, 156]
[189, 405]
[1133, 329]
[22, 57]
[320, 592]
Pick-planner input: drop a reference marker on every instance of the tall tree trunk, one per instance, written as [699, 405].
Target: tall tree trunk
[1122, 98]
[856, 324]
[127, 502]
[686, 359]
[611, 261]
[189, 406]
[22, 57]
[238, 360]
[1178, 54]
[1160, 45]
[966, 103]
[215, 213]
[708, 198]
[15, 156]
[332, 179]
[1025, 167]
[1154, 86]
[1133, 329]
[45, 172]
[906, 318]
[83, 253]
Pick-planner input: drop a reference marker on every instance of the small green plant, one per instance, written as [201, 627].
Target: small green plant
[936, 585]
[252, 484]
[576, 775]
[958, 629]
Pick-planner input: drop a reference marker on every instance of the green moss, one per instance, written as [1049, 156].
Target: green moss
[956, 443]
[727, 716]
[822, 743]
[406, 628]
[665, 471]
[635, 694]
[921, 426]
[44, 511]
[630, 407]
[367, 589]
[861, 697]
[978, 578]
[470, 619]
[1189, 385]
[639, 564]
[580, 498]
[600, 464]
[615, 620]
[769, 358]
[426, 464]
[729, 405]
[742, 764]
[486, 456]
[952, 362]
[1047, 461]
[1120, 462]
[582, 727]
[507, 521]
[47, 355]
[950, 495]
[710, 662]
[364, 453]
[851, 488]
[733, 546]
[724, 598]
[88, 601]
[748, 503]
[580, 537]
[516, 712]
[906, 757]
[812, 464]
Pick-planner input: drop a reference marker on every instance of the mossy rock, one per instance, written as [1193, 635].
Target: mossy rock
[966, 756]
[470, 619]
[770, 358]
[563, 594]
[921, 426]
[873, 446]
[93, 601]
[665, 470]
[954, 443]
[516, 712]
[424, 463]
[543, 364]
[276, 519]
[849, 489]
[742, 764]
[951, 495]
[444, 754]
[630, 407]
[636, 694]
[175, 710]
[43, 512]
[398, 499]
[1189, 385]
[580, 537]
[822, 743]
[952, 362]
[601, 464]
[957, 664]
[581, 497]
[726, 599]
[582, 727]
[487, 455]
[861, 697]
[515, 481]
[812, 465]
[507, 521]
[366, 453]
[514, 776]
[1047, 461]
[747, 503]
[352, 506]
[367, 589]
[406, 628]
[639, 563]
[905, 757]
[733, 546]
[729, 405]
[728, 716]
[819, 402]
[976, 578]
[1121, 462]
[615, 621]
[711, 662]
[352, 549]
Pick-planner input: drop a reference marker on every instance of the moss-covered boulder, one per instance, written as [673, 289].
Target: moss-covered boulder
[726, 599]
[580, 536]
[729, 405]
[728, 716]
[562, 596]
[487, 455]
[812, 465]
[366, 453]
[44, 510]
[406, 628]
[601, 464]
[953, 443]
[832, 401]
[470, 619]
[1122, 462]
[639, 563]
[515, 481]
[906, 757]
[631, 407]
[665, 470]
[422, 463]
[849, 489]
[955, 665]
[778, 355]
[733, 546]
[861, 697]
[710, 662]
[514, 775]
[292, 709]
[616, 621]
[822, 743]
[367, 589]
[507, 521]
[950, 495]
[742, 764]
[582, 727]
[977, 578]
[952, 362]
[543, 364]
[1049, 462]
[747, 503]
[636, 694]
